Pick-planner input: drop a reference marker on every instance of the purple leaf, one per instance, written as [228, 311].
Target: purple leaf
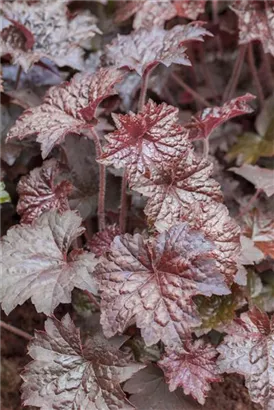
[191, 366]
[66, 108]
[260, 177]
[248, 349]
[67, 373]
[152, 283]
[38, 264]
[39, 193]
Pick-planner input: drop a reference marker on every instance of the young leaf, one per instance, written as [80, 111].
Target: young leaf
[260, 177]
[150, 392]
[101, 241]
[66, 108]
[176, 186]
[191, 366]
[153, 283]
[248, 350]
[37, 263]
[4, 195]
[255, 22]
[145, 139]
[143, 49]
[259, 227]
[189, 9]
[67, 373]
[217, 312]
[39, 193]
[54, 35]
[205, 122]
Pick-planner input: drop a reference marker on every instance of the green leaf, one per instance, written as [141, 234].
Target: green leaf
[4, 195]
[217, 311]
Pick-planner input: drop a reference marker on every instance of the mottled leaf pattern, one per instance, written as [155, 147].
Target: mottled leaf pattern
[191, 366]
[202, 125]
[146, 139]
[144, 49]
[255, 22]
[189, 9]
[152, 283]
[248, 349]
[37, 263]
[38, 192]
[68, 373]
[100, 242]
[66, 108]
[175, 187]
[54, 35]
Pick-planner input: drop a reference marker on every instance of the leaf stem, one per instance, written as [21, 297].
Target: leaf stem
[15, 331]
[254, 73]
[92, 299]
[195, 95]
[205, 147]
[18, 76]
[102, 183]
[266, 68]
[233, 81]
[123, 203]
[144, 85]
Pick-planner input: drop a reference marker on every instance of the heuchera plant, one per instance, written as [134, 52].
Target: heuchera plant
[173, 262]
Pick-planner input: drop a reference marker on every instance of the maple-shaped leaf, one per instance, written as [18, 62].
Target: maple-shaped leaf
[202, 125]
[39, 193]
[191, 366]
[147, 13]
[142, 140]
[152, 283]
[175, 186]
[100, 242]
[143, 49]
[213, 220]
[52, 32]
[262, 178]
[255, 22]
[68, 373]
[259, 226]
[149, 391]
[66, 108]
[189, 9]
[248, 349]
[37, 263]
